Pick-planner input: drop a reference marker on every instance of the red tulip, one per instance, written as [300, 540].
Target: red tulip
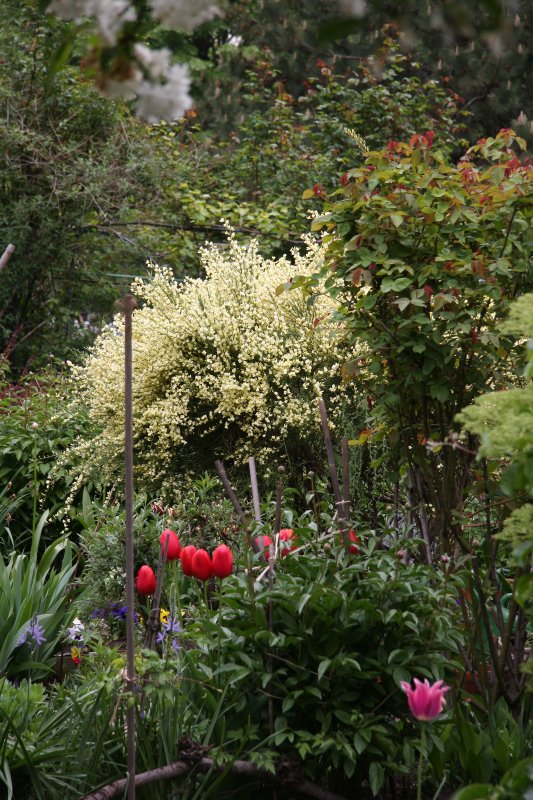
[146, 580]
[222, 561]
[201, 565]
[287, 537]
[267, 541]
[174, 546]
[353, 538]
[186, 559]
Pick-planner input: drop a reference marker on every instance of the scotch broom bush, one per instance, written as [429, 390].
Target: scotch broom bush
[223, 367]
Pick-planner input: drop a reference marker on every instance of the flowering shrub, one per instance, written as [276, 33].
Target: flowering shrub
[140, 76]
[222, 368]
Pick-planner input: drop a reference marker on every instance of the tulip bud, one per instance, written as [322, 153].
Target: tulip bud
[267, 541]
[186, 559]
[287, 538]
[222, 561]
[146, 580]
[353, 538]
[174, 546]
[201, 565]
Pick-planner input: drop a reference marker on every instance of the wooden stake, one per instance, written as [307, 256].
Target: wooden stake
[339, 502]
[8, 252]
[130, 597]
[329, 452]
[346, 478]
[255, 490]
[154, 620]
[241, 516]
[229, 491]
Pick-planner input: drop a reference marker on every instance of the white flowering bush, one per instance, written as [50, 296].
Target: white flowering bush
[128, 68]
[224, 367]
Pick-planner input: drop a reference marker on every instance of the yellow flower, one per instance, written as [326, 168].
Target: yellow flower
[163, 616]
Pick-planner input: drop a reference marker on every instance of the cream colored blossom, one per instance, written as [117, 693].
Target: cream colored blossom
[223, 366]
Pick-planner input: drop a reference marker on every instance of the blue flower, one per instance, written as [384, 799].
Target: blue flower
[169, 627]
[35, 632]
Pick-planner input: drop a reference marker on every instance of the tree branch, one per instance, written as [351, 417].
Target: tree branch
[180, 768]
[185, 226]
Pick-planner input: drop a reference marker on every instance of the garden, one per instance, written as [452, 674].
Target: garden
[266, 400]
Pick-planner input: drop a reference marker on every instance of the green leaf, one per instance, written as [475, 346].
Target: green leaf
[396, 219]
[376, 776]
[402, 303]
[477, 791]
[322, 667]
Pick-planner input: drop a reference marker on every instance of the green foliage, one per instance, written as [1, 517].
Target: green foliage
[65, 157]
[483, 748]
[345, 631]
[33, 589]
[253, 175]
[425, 256]
[33, 434]
[516, 784]
[57, 741]
[504, 423]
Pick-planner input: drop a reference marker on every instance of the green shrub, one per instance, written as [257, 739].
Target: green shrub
[34, 591]
[424, 257]
[345, 631]
[33, 434]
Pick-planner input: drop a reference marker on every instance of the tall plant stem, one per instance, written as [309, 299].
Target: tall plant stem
[219, 654]
[130, 599]
[421, 760]
[35, 484]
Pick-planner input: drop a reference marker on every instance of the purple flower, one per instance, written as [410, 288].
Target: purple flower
[120, 612]
[33, 631]
[171, 626]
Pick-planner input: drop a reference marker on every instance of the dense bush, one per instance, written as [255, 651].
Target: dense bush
[33, 435]
[222, 368]
[345, 630]
[424, 257]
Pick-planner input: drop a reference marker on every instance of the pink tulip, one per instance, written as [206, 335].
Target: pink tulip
[425, 700]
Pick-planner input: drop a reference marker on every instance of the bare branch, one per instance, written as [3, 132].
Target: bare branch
[180, 768]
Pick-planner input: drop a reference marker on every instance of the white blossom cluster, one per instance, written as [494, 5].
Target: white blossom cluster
[161, 88]
[220, 363]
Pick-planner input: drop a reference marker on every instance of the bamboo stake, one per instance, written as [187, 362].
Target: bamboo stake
[229, 491]
[8, 252]
[339, 502]
[346, 478]
[255, 490]
[130, 599]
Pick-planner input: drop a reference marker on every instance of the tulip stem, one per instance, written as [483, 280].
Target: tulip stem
[421, 760]
[177, 579]
[219, 626]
